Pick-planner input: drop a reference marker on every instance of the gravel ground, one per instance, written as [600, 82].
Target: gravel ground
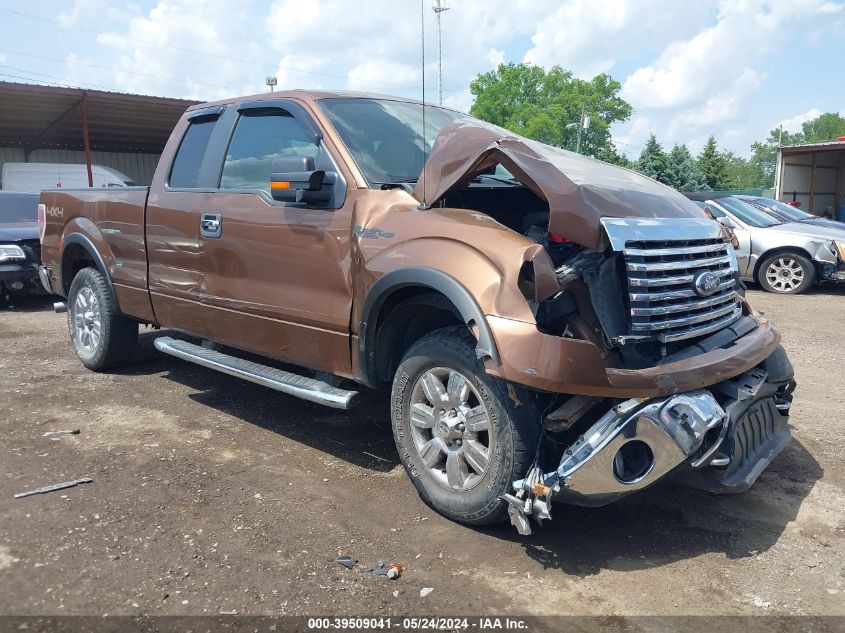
[214, 495]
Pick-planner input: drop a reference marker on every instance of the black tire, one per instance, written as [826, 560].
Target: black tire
[511, 442]
[767, 275]
[118, 336]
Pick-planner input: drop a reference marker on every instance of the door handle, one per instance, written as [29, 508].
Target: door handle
[211, 225]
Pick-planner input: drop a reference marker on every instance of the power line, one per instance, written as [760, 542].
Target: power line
[63, 80]
[203, 53]
[122, 70]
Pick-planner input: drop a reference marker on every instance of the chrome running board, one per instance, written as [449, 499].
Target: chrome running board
[277, 379]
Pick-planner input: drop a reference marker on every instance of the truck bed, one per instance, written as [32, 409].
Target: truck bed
[111, 218]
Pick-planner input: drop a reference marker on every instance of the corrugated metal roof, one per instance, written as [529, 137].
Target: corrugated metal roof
[809, 148]
[35, 117]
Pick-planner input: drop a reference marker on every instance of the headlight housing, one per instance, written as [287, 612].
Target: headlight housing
[11, 253]
[840, 247]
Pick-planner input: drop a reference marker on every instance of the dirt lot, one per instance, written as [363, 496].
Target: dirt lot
[211, 494]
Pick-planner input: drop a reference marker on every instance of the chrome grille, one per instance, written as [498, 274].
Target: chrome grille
[664, 303]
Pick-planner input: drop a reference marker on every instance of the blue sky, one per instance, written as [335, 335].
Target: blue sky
[734, 69]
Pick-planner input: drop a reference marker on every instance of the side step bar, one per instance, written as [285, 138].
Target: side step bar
[278, 379]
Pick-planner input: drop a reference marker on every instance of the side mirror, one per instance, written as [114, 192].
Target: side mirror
[294, 179]
[726, 222]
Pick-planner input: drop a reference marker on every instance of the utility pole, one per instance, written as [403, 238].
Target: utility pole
[583, 124]
[439, 6]
[271, 82]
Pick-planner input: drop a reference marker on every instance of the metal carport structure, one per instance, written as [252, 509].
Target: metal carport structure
[60, 123]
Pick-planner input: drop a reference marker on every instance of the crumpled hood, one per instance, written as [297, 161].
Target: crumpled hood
[579, 190]
[14, 232]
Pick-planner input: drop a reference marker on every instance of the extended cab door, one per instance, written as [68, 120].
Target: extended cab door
[183, 186]
[276, 276]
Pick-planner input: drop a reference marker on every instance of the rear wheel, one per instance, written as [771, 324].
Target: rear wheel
[786, 273]
[101, 337]
[462, 435]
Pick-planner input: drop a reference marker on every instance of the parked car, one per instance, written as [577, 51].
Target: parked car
[782, 256]
[788, 213]
[35, 177]
[549, 326]
[20, 249]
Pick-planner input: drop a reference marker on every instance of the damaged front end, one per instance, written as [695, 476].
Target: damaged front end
[719, 439]
[643, 351]
[660, 295]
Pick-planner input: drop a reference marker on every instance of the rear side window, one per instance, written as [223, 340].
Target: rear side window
[184, 174]
[259, 139]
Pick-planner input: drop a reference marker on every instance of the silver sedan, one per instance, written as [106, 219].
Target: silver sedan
[783, 257]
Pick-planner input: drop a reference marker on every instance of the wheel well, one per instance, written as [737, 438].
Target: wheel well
[407, 314]
[75, 257]
[779, 251]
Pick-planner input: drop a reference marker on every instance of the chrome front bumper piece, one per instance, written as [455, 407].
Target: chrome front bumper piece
[636, 443]
[44, 277]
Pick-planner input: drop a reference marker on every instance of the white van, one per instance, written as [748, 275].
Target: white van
[35, 177]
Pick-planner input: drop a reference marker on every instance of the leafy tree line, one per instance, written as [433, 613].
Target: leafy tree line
[548, 106]
[540, 104]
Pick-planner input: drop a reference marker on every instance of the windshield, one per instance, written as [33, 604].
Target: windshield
[385, 137]
[18, 207]
[748, 213]
[781, 209]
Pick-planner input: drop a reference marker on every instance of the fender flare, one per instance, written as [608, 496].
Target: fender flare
[436, 280]
[80, 240]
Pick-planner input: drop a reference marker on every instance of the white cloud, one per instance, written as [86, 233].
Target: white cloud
[689, 69]
[495, 57]
[373, 46]
[632, 136]
[589, 36]
[793, 124]
[709, 80]
[365, 75]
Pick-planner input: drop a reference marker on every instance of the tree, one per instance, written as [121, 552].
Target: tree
[653, 161]
[764, 154]
[827, 127]
[538, 104]
[609, 155]
[743, 174]
[712, 164]
[682, 171]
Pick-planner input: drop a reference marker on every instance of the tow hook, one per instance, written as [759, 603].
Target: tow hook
[533, 499]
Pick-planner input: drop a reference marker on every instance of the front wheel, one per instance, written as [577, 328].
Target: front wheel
[463, 436]
[786, 273]
[101, 337]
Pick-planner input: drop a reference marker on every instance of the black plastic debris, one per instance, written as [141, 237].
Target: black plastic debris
[346, 561]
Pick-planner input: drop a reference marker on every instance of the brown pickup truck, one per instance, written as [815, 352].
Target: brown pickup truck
[549, 326]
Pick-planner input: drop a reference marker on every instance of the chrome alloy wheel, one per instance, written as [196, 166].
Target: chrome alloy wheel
[87, 324]
[450, 427]
[785, 274]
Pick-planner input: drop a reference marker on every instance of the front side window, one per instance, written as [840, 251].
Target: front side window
[261, 138]
[184, 174]
[387, 138]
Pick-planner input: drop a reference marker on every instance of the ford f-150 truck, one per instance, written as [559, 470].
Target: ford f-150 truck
[549, 326]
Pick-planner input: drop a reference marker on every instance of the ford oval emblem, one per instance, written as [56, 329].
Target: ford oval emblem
[705, 283]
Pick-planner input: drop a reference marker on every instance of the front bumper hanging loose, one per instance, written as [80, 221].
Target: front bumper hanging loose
[638, 442]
